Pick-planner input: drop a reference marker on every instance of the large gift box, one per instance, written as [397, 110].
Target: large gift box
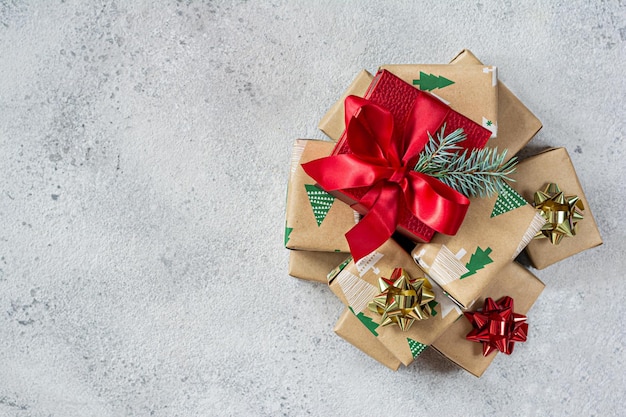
[494, 232]
[514, 281]
[574, 234]
[357, 284]
[315, 220]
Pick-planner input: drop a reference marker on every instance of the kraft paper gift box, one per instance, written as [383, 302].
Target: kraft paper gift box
[312, 265]
[350, 328]
[514, 281]
[555, 166]
[517, 125]
[472, 90]
[316, 221]
[494, 232]
[357, 284]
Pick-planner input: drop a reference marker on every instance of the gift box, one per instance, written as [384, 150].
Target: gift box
[313, 266]
[471, 90]
[516, 124]
[350, 328]
[533, 174]
[357, 284]
[315, 220]
[494, 232]
[378, 151]
[514, 281]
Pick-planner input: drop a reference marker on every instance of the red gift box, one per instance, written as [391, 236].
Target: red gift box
[393, 105]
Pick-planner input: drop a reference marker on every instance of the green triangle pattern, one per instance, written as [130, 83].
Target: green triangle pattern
[288, 231]
[432, 304]
[416, 347]
[320, 201]
[507, 200]
[367, 322]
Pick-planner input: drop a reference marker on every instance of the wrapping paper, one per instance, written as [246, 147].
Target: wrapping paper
[494, 232]
[316, 221]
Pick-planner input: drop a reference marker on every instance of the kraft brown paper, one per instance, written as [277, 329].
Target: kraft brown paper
[533, 174]
[513, 280]
[303, 230]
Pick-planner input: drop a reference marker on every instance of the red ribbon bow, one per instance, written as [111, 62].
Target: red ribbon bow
[497, 326]
[383, 159]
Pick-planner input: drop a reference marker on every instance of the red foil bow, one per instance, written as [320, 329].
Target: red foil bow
[383, 159]
[497, 326]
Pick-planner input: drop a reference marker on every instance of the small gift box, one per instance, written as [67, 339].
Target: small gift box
[494, 232]
[350, 328]
[573, 225]
[315, 220]
[312, 265]
[371, 168]
[516, 124]
[359, 286]
[472, 90]
[513, 281]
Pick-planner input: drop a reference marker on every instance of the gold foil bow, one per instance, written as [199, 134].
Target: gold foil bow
[561, 212]
[402, 300]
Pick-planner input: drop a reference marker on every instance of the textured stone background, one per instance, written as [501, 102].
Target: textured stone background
[144, 151]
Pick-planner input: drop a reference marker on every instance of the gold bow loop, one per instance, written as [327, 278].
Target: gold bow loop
[561, 212]
[402, 300]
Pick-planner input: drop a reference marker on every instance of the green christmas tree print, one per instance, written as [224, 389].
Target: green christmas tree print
[416, 347]
[477, 261]
[507, 200]
[367, 322]
[429, 82]
[288, 231]
[432, 304]
[320, 201]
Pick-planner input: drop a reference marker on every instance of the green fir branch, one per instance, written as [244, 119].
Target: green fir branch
[482, 172]
[438, 152]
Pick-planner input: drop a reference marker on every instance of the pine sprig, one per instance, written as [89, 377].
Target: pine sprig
[481, 173]
[438, 152]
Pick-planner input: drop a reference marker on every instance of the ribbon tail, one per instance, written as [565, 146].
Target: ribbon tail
[374, 229]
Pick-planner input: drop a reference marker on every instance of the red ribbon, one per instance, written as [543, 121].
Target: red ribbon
[383, 159]
[497, 326]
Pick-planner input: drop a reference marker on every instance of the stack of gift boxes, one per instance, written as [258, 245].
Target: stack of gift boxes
[460, 292]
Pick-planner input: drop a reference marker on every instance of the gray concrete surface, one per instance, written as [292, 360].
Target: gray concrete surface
[144, 151]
